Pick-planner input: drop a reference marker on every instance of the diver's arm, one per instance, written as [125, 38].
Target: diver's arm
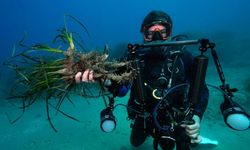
[118, 89]
[201, 106]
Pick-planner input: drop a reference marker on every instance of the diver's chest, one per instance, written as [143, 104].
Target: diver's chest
[160, 70]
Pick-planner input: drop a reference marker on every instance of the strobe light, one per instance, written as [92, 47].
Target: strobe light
[234, 115]
[108, 122]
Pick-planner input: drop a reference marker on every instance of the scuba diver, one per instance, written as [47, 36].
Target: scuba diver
[161, 68]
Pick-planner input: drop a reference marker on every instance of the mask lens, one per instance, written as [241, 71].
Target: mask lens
[156, 35]
[152, 30]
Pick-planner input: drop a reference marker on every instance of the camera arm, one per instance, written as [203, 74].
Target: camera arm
[234, 115]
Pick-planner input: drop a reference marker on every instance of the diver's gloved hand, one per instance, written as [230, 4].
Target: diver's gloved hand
[193, 130]
[86, 76]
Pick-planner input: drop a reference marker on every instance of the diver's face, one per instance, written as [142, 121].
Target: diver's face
[155, 33]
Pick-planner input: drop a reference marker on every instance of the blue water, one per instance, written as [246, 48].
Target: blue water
[113, 22]
[116, 22]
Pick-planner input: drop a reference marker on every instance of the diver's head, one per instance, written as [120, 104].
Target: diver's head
[156, 26]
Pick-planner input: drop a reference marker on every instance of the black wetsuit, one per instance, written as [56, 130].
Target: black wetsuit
[152, 70]
[155, 64]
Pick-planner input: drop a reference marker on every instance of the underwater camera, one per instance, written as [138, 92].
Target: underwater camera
[108, 122]
[234, 115]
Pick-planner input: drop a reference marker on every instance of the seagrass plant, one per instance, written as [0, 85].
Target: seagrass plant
[41, 78]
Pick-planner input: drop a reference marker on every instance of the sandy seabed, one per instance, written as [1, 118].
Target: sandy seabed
[33, 132]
